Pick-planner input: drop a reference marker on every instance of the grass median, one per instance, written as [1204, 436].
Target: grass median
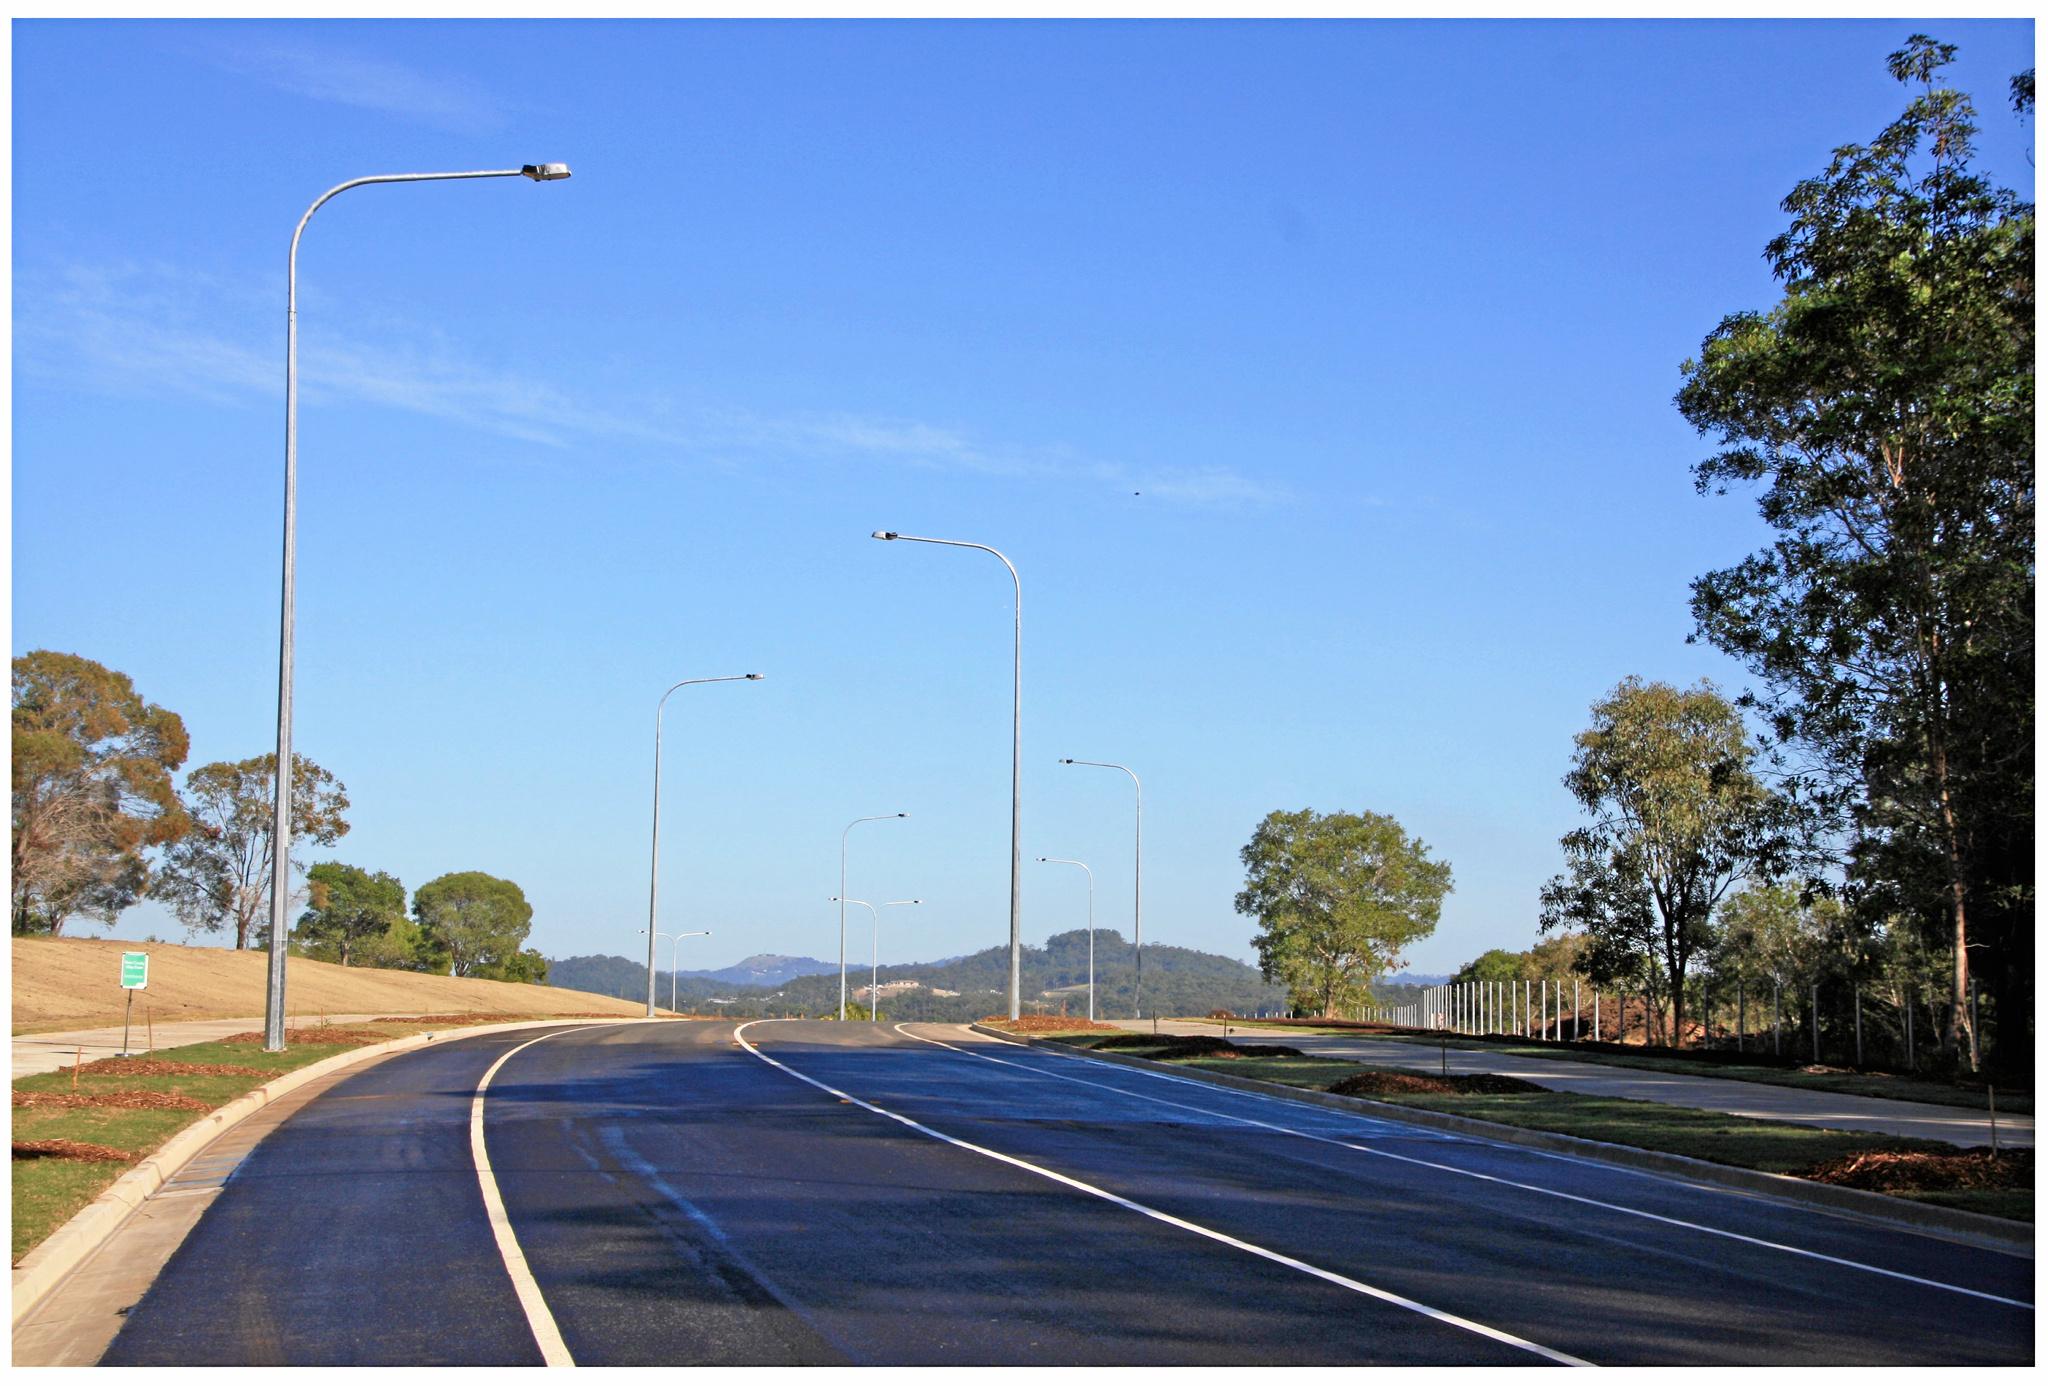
[1718, 1063]
[75, 1133]
[1892, 1165]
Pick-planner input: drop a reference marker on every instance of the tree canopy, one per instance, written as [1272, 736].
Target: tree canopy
[1337, 897]
[93, 788]
[474, 924]
[1885, 410]
[218, 875]
[1679, 818]
[351, 909]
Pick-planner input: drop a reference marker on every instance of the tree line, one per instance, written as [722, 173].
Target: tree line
[99, 824]
[1876, 828]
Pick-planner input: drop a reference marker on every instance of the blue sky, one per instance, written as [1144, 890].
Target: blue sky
[1316, 377]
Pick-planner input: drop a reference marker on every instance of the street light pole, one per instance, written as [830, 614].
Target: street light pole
[281, 827]
[1016, 757]
[654, 864]
[841, 898]
[875, 953]
[674, 947]
[1068, 861]
[1137, 882]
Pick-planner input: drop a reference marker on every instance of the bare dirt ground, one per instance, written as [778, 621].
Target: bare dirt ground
[67, 984]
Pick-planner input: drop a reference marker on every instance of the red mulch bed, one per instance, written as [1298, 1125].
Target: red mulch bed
[71, 1150]
[311, 1034]
[1040, 1024]
[167, 1068]
[1393, 1081]
[487, 1018]
[1917, 1171]
[142, 1099]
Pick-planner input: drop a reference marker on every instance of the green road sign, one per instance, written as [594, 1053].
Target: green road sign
[134, 970]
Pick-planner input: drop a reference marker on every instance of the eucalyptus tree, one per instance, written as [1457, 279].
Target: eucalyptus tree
[1679, 817]
[92, 778]
[1337, 897]
[1885, 410]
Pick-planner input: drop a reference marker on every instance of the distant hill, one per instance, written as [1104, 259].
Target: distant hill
[610, 975]
[765, 970]
[1178, 981]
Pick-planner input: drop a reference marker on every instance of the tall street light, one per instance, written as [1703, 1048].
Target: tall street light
[1016, 755]
[675, 944]
[875, 955]
[841, 898]
[1069, 861]
[654, 863]
[1137, 882]
[281, 832]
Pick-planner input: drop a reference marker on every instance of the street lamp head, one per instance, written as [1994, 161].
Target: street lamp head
[756, 677]
[883, 534]
[1066, 760]
[546, 173]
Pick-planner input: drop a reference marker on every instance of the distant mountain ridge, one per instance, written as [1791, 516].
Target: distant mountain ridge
[765, 970]
[1177, 981]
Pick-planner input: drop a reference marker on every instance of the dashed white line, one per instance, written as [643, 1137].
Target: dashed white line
[1279, 1258]
[554, 1352]
[1467, 1173]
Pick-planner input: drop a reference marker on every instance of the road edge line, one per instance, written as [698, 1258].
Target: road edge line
[45, 1265]
[1998, 1234]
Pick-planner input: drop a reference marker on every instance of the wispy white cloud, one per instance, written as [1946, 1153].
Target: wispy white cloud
[153, 331]
[320, 72]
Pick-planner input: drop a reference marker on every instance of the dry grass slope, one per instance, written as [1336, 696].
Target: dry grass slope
[73, 983]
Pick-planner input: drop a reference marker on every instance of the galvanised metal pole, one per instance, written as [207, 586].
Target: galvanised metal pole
[872, 995]
[654, 858]
[1137, 882]
[281, 823]
[1016, 760]
[1069, 861]
[841, 898]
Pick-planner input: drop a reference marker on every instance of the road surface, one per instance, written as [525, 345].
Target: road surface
[810, 1193]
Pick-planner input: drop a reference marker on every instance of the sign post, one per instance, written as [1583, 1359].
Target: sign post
[134, 978]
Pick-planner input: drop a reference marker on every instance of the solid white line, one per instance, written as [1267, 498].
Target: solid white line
[554, 1352]
[1290, 1262]
[1467, 1173]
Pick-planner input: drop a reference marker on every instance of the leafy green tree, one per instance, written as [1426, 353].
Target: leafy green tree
[1337, 897]
[350, 908]
[1886, 408]
[1494, 965]
[1679, 818]
[475, 921]
[92, 767]
[217, 876]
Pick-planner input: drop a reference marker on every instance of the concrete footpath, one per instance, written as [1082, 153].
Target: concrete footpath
[48, 1053]
[1762, 1101]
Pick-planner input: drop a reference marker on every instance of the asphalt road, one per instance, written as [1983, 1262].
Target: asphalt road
[857, 1194]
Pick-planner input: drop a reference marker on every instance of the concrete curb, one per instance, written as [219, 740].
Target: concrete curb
[2000, 1233]
[56, 1256]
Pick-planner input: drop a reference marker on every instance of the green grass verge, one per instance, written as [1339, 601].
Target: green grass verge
[48, 1193]
[1775, 1147]
[1898, 1087]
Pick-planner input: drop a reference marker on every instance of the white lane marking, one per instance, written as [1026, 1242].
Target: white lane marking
[554, 1352]
[1467, 1173]
[1212, 1234]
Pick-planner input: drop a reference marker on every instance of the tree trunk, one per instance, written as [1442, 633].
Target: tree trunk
[1959, 1028]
